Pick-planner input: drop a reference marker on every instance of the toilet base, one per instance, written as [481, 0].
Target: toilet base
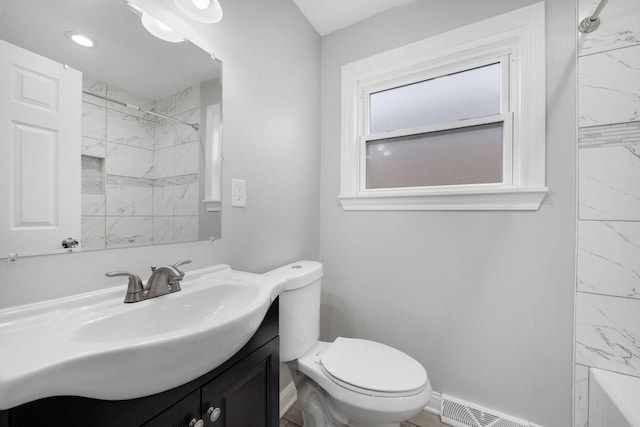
[316, 407]
[371, 425]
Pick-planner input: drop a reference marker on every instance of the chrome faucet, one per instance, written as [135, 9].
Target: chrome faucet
[163, 280]
[168, 276]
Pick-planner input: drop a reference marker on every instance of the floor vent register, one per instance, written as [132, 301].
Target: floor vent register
[458, 413]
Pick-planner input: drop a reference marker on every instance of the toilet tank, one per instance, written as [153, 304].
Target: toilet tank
[299, 307]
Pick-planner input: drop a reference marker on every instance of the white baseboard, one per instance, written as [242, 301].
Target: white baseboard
[288, 397]
[433, 405]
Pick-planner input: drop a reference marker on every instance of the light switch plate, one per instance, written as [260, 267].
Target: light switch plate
[238, 193]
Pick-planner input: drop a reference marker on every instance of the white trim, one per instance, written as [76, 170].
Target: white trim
[288, 397]
[460, 124]
[489, 199]
[212, 205]
[434, 404]
[520, 34]
[213, 159]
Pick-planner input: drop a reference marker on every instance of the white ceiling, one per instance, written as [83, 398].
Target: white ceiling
[327, 16]
[127, 55]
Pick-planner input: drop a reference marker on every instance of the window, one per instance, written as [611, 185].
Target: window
[451, 122]
[447, 130]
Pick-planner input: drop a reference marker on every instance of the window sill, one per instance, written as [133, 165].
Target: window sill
[516, 199]
[212, 205]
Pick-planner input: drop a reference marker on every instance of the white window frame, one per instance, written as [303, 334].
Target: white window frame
[516, 41]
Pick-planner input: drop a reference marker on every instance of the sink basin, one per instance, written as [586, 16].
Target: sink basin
[96, 346]
[219, 303]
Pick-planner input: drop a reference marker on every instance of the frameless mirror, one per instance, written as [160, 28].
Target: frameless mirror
[143, 144]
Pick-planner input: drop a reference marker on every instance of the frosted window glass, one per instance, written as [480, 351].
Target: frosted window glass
[464, 95]
[470, 155]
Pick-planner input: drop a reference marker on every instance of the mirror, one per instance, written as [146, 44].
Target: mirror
[150, 125]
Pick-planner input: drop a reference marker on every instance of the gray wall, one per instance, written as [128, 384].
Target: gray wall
[271, 78]
[484, 300]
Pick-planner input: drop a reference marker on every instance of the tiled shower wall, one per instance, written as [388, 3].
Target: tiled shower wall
[140, 173]
[608, 288]
[175, 165]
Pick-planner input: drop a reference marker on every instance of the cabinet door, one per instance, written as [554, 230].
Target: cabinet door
[180, 414]
[247, 394]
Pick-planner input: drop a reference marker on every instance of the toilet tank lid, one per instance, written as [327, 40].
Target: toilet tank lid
[373, 366]
[297, 274]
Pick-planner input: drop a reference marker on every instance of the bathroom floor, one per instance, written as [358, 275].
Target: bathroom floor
[293, 418]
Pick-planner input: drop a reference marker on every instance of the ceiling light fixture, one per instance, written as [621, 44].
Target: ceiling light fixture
[135, 7]
[80, 39]
[160, 30]
[207, 11]
[201, 4]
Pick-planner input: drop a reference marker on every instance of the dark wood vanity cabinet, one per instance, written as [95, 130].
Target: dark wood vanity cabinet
[242, 392]
[238, 397]
[180, 414]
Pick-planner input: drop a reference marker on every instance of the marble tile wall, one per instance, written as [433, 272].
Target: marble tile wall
[608, 277]
[581, 396]
[94, 134]
[121, 214]
[609, 258]
[151, 169]
[609, 87]
[175, 209]
[609, 182]
[176, 166]
[125, 231]
[608, 333]
[618, 28]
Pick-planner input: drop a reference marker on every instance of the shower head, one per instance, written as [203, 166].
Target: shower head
[591, 23]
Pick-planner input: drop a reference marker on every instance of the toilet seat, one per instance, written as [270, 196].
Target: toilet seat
[356, 403]
[372, 368]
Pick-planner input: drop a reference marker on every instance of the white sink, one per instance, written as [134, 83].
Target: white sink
[220, 303]
[96, 346]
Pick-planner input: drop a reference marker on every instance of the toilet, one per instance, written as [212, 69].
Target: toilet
[348, 382]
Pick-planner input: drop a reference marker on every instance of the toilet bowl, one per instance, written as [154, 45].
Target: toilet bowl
[347, 382]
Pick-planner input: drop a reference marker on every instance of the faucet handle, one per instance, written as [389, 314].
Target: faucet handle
[182, 262]
[179, 263]
[176, 265]
[134, 287]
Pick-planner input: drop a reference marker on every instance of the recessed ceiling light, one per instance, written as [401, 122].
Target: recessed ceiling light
[207, 11]
[81, 39]
[160, 29]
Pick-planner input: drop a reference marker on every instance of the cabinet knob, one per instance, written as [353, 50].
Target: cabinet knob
[196, 423]
[213, 414]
